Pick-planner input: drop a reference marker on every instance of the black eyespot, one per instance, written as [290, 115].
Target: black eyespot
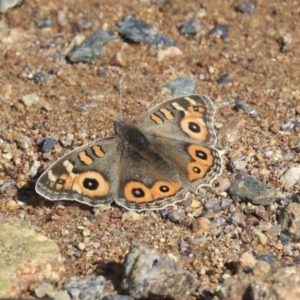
[90, 184]
[196, 170]
[138, 193]
[60, 181]
[194, 127]
[195, 108]
[164, 188]
[201, 154]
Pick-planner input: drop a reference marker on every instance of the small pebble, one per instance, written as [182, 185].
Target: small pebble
[182, 86]
[131, 216]
[43, 289]
[24, 143]
[43, 23]
[275, 230]
[86, 232]
[220, 31]
[296, 197]
[226, 202]
[290, 221]
[263, 239]
[224, 185]
[48, 145]
[290, 125]
[176, 215]
[238, 163]
[61, 18]
[266, 257]
[285, 240]
[39, 77]
[285, 42]
[223, 79]
[119, 59]
[190, 27]
[204, 225]
[12, 205]
[247, 260]
[195, 203]
[81, 246]
[84, 24]
[242, 106]
[34, 168]
[197, 212]
[7, 185]
[30, 99]
[291, 177]
[246, 7]
[67, 140]
[168, 52]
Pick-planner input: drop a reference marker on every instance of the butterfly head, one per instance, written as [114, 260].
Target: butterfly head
[131, 135]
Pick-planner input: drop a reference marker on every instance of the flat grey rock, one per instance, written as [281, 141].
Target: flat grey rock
[148, 274]
[249, 189]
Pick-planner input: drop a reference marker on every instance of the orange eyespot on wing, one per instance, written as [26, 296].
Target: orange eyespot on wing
[201, 154]
[194, 127]
[196, 170]
[137, 192]
[65, 181]
[163, 189]
[91, 184]
[196, 111]
[203, 159]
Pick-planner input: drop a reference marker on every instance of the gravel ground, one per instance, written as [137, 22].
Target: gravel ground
[249, 67]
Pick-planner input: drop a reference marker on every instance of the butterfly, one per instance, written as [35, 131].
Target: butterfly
[159, 160]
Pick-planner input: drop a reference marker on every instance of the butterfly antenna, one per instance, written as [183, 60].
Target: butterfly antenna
[81, 107]
[120, 100]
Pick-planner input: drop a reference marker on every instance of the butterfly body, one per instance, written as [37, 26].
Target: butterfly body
[168, 153]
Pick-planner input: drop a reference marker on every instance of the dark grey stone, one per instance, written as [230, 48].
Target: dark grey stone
[267, 258]
[39, 77]
[85, 289]
[220, 31]
[225, 78]
[183, 86]
[152, 275]
[91, 48]
[242, 106]
[246, 7]
[137, 31]
[7, 185]
[43, 23]
[48, 145]
[249, 189]
[190, 27]
[289, 126]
